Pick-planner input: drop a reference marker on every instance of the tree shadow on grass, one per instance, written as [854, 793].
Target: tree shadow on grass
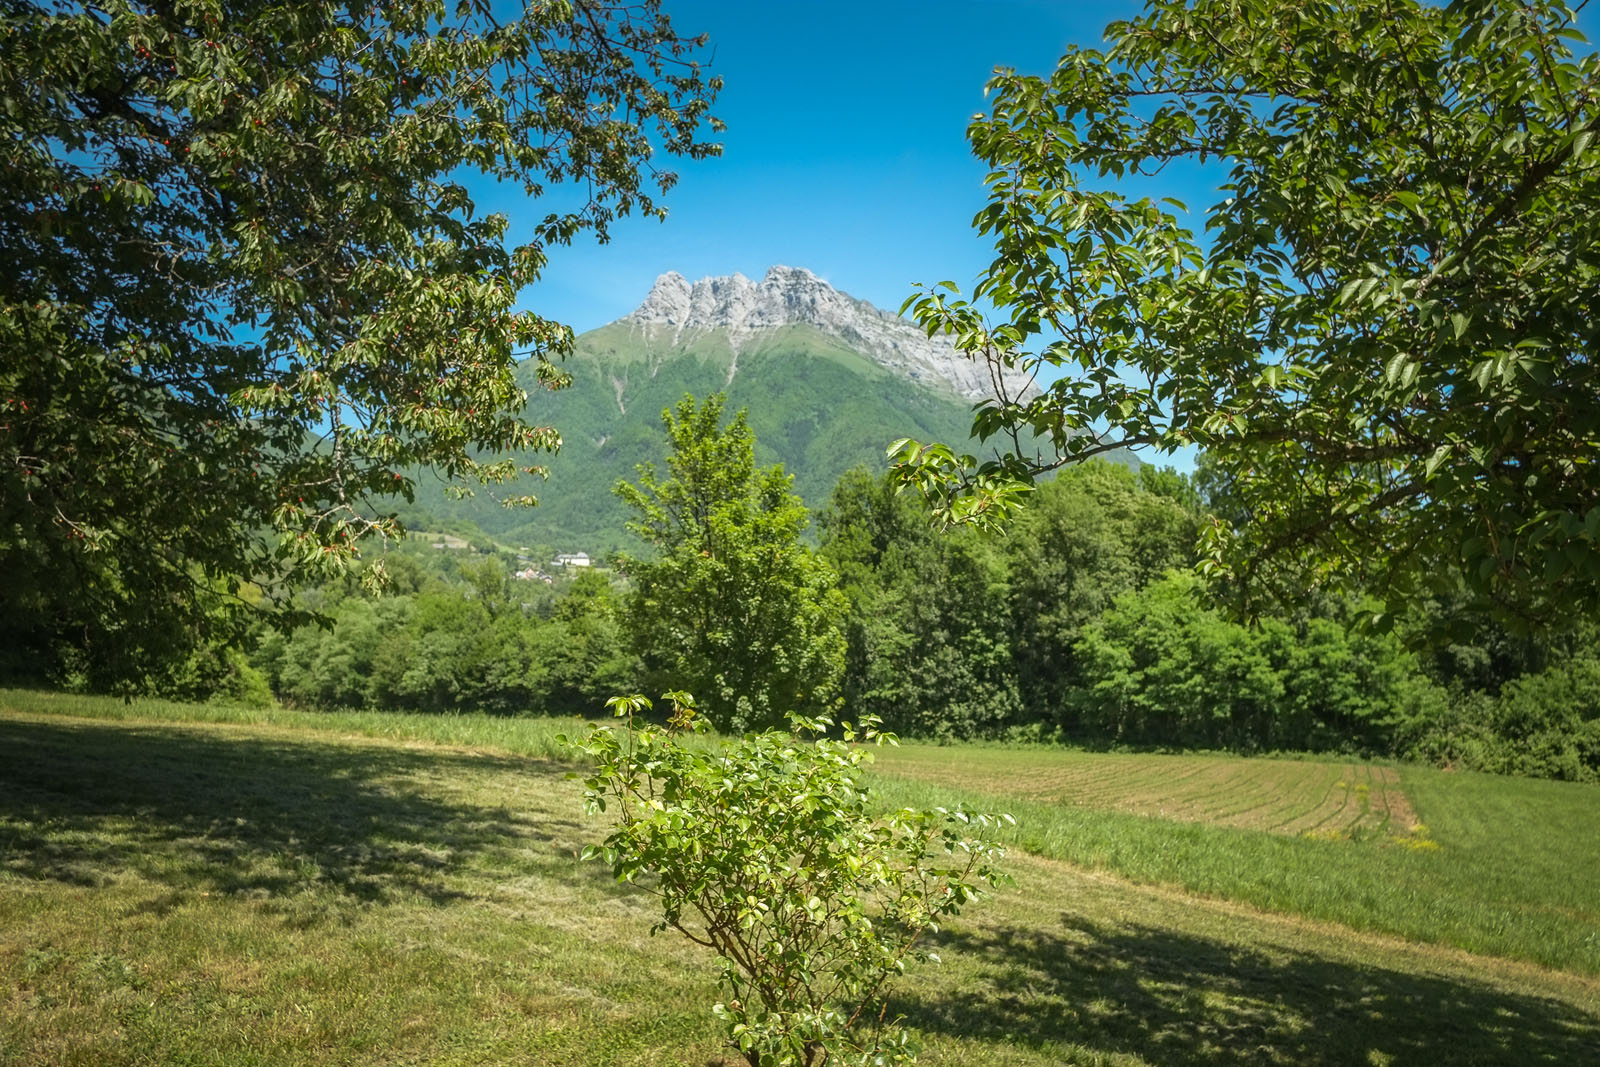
[207, 810]
[1173, 999]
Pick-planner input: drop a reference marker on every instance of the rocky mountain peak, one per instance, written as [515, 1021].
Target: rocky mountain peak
[789, 296]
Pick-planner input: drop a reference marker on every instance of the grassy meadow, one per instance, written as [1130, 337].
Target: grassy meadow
[194, 885]
[1321, 799]
[1506, 866]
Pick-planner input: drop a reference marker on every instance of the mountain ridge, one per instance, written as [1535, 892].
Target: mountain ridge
[791, 296]
[828, 382]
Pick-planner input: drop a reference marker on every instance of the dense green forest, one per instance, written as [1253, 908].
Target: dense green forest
[458, 632]
[1084, 624]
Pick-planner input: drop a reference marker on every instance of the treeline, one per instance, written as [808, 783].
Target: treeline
[1084, 623]
[454, 634]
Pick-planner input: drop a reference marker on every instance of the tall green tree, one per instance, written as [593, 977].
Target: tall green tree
[930, 642]
[1383, 333]
[732, 607]
[954, 634]
[1090, 535]
[247, 296]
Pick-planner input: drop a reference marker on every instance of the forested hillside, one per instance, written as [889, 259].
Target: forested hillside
[827, 381]
[816, 407]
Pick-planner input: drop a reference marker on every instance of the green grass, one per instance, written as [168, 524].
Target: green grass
[1326, 797]
[516, 736]
[1506, 866]
[271, 888]
[208, 894]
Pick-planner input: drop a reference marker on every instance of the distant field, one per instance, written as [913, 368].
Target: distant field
[519, 736]
[1507, 866]
[1282, 796]
[378, 890]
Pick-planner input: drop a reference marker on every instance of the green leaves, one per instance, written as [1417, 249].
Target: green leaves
[732, 606]
[246, 226]
[1404, 227]
[767, 852]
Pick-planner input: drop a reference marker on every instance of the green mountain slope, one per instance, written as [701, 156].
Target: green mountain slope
[815, 406]
[828, 381]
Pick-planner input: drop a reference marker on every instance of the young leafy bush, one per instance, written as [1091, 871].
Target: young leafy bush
[765, 850]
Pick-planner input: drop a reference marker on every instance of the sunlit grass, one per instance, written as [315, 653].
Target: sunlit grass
[1480, 862]
[1291, 796]
[1486, 863]
[227, 893]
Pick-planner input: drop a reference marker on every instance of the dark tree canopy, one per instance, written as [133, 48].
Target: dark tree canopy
[246, 295]
[1384, 334]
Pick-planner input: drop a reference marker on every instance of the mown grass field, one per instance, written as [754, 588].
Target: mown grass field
[1332, 799]
[366, 890]
[1505, 866]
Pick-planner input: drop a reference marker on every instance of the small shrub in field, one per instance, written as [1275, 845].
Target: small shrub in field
[765, 851]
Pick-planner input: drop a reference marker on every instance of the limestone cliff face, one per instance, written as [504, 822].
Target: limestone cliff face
[677, 311]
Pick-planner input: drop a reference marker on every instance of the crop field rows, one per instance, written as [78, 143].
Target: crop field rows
[1325, 799]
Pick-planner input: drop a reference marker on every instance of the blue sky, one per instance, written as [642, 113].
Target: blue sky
[845, 150]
